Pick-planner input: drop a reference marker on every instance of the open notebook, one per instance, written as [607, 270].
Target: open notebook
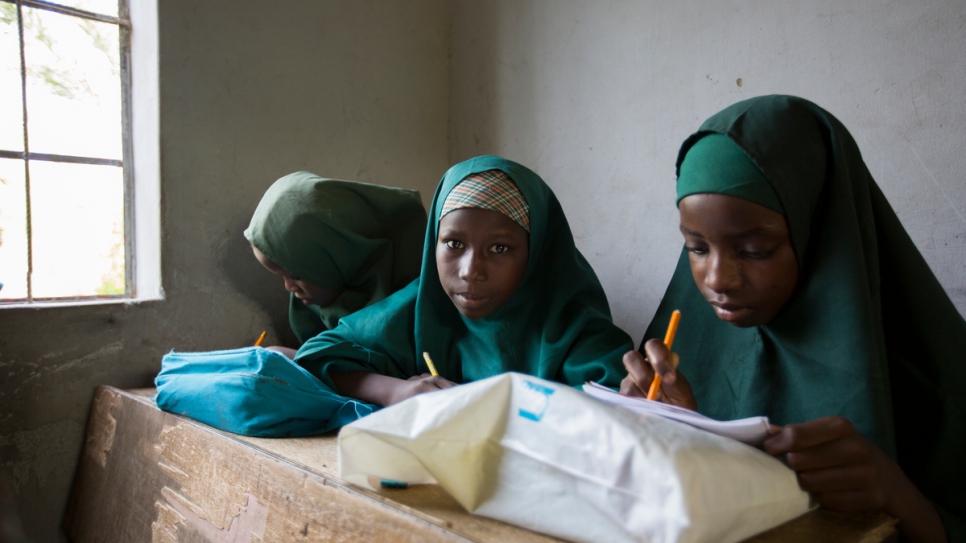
[752, 430]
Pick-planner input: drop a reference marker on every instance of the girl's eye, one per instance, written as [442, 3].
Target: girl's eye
[500, 249]
[696, 249]
[756, 255]
[453, 244]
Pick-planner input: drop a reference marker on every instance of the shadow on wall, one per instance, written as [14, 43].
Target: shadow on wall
[11, 529]
[256, 283]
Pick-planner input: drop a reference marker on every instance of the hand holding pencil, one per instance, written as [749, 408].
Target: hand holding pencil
[672, 329]
[653, 374]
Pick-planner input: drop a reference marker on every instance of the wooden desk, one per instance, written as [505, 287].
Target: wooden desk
[150, 476]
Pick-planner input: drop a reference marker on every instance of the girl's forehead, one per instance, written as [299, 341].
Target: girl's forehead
[720, 215]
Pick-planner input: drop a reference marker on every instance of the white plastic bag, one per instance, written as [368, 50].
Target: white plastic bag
[552, 459]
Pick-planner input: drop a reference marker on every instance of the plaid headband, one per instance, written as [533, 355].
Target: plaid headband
[492, 190]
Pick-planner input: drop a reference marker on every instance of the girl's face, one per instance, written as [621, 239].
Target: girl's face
[741, 257]
[481, 257]
[308, 293]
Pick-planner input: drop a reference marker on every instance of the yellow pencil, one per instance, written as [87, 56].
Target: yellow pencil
[429, 362]
[261, 338]
[672, 329]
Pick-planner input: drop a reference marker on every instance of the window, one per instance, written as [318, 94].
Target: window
[69, 224]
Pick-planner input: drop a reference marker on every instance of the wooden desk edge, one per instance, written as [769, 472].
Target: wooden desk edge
[872, 528]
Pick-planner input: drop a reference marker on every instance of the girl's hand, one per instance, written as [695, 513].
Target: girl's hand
[844, 471]
[675, 389]
[385, 390]
[417, 384]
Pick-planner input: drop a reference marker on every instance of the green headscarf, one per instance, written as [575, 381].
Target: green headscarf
[357, 238]
[717, 165]
[869, 333]
[556, 326]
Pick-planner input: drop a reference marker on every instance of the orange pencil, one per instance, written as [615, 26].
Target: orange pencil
[672, 329]
[260, 338]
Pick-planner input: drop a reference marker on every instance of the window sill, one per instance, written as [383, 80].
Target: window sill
[77, 302]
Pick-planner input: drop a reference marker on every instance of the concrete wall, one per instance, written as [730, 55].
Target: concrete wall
[598, 96]
[354, 90]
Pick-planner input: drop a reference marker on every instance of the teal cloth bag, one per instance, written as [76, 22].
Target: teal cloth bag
[252, 391]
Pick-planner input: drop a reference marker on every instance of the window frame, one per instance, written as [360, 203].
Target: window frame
[140, 159]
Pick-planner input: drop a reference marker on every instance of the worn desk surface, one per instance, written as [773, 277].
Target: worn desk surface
[147, 475]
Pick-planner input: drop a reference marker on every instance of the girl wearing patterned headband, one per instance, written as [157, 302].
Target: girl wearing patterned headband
[502, 288]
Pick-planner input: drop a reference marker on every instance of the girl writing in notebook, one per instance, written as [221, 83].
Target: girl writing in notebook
[337, 245]
[502, 288]
[804, 299]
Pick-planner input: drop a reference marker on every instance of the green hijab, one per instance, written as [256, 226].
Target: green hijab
[556, 326]
[357, 238]
[869, 333]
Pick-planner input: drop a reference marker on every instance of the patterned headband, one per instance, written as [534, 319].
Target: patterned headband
[492, 190]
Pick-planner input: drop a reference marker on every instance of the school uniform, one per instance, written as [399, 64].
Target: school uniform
[869, 334]
[557, 325]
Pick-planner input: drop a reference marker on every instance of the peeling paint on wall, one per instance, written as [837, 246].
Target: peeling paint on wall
[100, 433]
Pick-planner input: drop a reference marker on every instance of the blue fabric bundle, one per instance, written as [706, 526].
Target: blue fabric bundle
[252, 391]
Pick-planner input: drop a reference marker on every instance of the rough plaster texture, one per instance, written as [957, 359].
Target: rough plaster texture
[353, 90]
[598, 96]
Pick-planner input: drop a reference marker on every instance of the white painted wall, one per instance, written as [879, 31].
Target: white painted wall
[597, 96]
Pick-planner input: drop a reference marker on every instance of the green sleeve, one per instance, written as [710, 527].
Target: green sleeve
[377, 339]
[597, 355]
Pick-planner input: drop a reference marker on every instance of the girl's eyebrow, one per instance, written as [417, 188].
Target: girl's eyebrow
[451, 231]
[500, 233]
[688, 232]
[757, 231]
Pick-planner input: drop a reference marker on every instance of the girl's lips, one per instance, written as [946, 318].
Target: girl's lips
[730, 312]
[472, 301]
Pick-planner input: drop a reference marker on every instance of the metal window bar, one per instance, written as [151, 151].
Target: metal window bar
[26, 150]
[61, 158]
[127, 153]
[124, 24]
[123, 21]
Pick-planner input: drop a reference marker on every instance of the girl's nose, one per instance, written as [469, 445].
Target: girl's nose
[473, 267]
[723, 273]
[290, 284]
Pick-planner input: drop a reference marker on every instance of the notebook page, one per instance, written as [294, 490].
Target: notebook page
[752, 430]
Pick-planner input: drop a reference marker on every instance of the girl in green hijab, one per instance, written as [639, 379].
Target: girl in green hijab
[502, 288]
[339, 246]
[803, 299]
